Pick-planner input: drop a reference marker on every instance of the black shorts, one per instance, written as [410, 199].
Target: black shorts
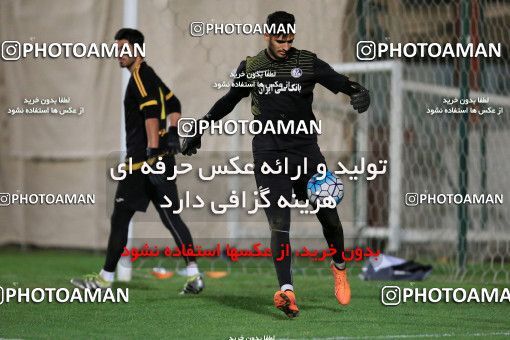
[282, 184]
[136, 191]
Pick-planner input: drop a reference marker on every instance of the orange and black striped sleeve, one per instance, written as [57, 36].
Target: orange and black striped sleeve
[148, 92]
[172, 103]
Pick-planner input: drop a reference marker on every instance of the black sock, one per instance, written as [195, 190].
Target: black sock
[118, 237]
[280, 243]
[333, 231]
[178, 229]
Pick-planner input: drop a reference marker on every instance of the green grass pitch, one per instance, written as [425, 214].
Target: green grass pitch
[239, 305]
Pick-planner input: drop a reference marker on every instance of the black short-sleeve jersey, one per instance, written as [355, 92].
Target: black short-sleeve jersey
[146, 97]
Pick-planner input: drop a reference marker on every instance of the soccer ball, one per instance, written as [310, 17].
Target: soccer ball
[330, 185]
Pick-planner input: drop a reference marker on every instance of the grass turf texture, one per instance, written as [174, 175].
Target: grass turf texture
[240, 304]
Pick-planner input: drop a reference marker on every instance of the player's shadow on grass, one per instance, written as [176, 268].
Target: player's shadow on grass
[133, 285]
[248, 303]
[310, 306]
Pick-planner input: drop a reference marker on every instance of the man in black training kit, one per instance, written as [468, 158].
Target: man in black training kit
[148, 103]
[303, 68]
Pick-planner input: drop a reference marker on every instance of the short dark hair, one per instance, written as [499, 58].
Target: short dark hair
[131, 35]
[281, 18]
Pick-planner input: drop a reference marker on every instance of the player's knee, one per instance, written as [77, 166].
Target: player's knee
[278, 224]
[120, 219]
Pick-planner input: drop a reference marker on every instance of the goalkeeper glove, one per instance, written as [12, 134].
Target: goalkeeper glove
[173, 143]
[193, 143]
[360, 100]
[155, 179]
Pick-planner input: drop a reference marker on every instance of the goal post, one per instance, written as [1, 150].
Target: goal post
[423, 154]
[130, 19]
[394, 68]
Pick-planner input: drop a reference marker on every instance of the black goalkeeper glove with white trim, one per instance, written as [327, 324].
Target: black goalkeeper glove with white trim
[173, 142]
[360, 99]
[153, 155]
[194, 142]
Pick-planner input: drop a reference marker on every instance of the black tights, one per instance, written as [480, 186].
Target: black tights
[331, 228]
[119, 233]
[279, 218]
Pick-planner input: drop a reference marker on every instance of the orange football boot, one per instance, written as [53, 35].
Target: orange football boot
[286, 302]
[342, 288]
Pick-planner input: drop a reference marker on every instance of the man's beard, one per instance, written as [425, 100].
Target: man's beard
[127, 65]
[275, 55]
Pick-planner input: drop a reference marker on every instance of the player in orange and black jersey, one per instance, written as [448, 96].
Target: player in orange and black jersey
[149, 107]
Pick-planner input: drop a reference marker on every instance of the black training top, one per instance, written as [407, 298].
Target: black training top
[280, 90]
[146, 97]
